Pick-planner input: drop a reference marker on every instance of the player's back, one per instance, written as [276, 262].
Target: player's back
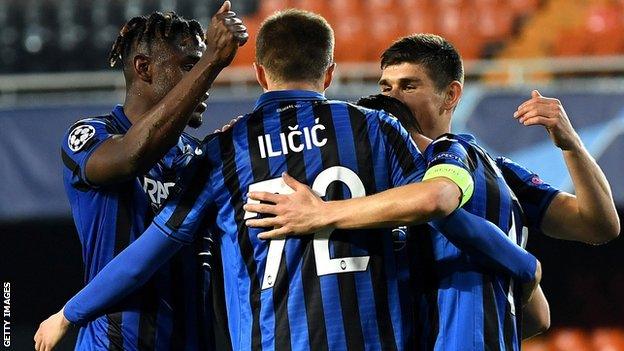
[334, 290]
[468, 307]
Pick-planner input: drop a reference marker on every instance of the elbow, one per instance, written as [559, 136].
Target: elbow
[604, 231]
[543, 323]
[136, 275]
[444, 199]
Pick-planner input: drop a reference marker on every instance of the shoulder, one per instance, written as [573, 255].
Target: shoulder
[448, 141]
[87, 130]
[190, 140]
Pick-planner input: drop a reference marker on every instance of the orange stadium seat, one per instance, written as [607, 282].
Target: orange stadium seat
[570, 340]
[352, 41]
[523, 7]
[317, 6]
[347, 7]
[604, 25]
[536, 344]
[571, 42]
[380, 6]
[267, 7]
[608, 339]
[495, 19]
[384, 28]
[246, 54]
[419, 16]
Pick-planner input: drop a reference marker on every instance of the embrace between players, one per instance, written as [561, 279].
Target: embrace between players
[211, 273]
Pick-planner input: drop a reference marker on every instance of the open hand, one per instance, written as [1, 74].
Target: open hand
[51, 331]
[549, 112]
[225, 34]
[302, 212]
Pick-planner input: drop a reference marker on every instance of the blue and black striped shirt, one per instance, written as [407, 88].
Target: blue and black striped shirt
[463, 305]
[167, 312]
[335, 290]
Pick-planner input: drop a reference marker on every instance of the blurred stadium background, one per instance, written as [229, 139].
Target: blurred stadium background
[53, 71]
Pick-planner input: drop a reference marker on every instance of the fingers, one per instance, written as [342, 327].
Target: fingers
[263, 222]
[261, 208]
[278, 233]
[225, 7]
[36, 338]
[242, 38]
[291, 182]
[266, 197]
[536, 94]
[548, 109]
[225, 15]
[533, 103]
[522, 116]
[537, 120]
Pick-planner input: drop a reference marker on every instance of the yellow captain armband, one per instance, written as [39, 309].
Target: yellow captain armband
[457, 175]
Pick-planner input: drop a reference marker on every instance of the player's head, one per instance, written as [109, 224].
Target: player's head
[425, 72]
[155, 52]
[394, 107]
[295, 47]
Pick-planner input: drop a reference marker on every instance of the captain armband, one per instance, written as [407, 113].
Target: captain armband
[457, 175]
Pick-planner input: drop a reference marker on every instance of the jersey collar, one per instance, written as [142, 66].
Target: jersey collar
[121, 118]
[287, 95]
[468, 137]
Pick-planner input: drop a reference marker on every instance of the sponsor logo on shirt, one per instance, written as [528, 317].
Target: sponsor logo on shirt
[157, 191]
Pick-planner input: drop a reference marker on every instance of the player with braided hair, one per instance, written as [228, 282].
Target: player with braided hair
[120, 167]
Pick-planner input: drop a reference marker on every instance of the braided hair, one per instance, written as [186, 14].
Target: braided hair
[144, 29]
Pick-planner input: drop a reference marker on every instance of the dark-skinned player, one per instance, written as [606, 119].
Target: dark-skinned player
[120, 167]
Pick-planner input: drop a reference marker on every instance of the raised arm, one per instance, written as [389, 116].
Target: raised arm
[124, 156]
[589, 216]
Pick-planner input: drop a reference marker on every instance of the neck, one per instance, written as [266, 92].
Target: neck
[136, 105]
[274, 86]
[421, 141]
[441, 125]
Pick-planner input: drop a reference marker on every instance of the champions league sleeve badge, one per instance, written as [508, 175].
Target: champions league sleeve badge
[79, 137]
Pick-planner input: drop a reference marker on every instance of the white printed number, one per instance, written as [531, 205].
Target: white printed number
[513, 236]
[324, 263]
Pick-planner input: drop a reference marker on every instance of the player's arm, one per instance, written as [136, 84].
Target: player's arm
[589, 216]
[304, 212]
[535, 315]
[121, 276]
[122, 157]
[175, 226]
[447, 186]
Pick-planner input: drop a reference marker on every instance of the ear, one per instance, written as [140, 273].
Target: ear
[329, 76]
[261, 76]
[142, 67]
[453, 95]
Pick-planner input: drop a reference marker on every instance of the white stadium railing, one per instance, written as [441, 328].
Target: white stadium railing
[508, 72]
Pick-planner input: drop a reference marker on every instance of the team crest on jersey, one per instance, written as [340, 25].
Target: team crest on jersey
[399, 238]
[79, 137]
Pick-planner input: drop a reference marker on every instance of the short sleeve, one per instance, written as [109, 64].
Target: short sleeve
[406, 163]
[447, 157]
[189, 204]
[533, 193]
[78, 143]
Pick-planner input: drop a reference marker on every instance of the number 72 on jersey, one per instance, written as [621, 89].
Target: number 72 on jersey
[324, 263]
